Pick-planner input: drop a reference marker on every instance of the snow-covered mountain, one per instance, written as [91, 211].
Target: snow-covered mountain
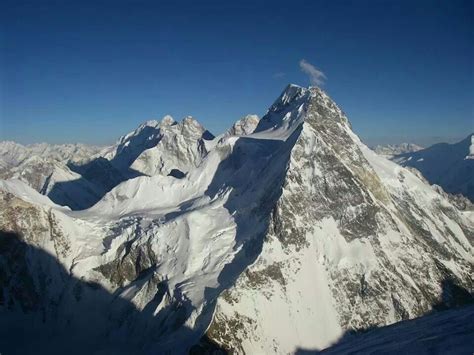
[180, 148]
[346, 243]
[13, 154]
[246, 125]
[46, 168]
[279, 235]
[36, 162]
[450, 166]
[389, 150]
[78, 176]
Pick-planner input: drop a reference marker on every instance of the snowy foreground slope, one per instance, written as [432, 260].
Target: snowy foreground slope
[279, 235]
[448, 332]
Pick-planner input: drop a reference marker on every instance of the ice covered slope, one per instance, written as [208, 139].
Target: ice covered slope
[354, 240]
[448, 332]
[449, 165]
[274, 241]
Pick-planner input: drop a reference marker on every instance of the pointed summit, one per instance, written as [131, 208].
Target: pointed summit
[167, 120]
[291, 93]
[246, 125]
[296, 105]
[192, 128]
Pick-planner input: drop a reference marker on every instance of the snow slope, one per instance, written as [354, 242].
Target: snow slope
[448, 332]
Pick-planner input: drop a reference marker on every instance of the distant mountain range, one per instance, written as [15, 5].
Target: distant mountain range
[450, 166]
[282, 235]
[390, 150]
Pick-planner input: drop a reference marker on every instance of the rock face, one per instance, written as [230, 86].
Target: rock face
[450, 166]
[279, 239]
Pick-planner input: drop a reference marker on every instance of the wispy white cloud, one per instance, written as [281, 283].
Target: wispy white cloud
[279, 75]
[316, 76]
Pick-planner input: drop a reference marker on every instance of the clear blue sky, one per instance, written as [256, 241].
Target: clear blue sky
[89, 71]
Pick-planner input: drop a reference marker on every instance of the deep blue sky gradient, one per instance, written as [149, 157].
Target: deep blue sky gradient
[90, 71]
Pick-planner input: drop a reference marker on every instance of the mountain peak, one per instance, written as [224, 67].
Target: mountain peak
[190, 120]
[191, 127]
[290, 93]
[297, 104]
[244, 126]
[167, 120]
[293, 93]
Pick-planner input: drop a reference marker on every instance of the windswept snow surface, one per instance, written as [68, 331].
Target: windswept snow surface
[448, 332]
[275, 238]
